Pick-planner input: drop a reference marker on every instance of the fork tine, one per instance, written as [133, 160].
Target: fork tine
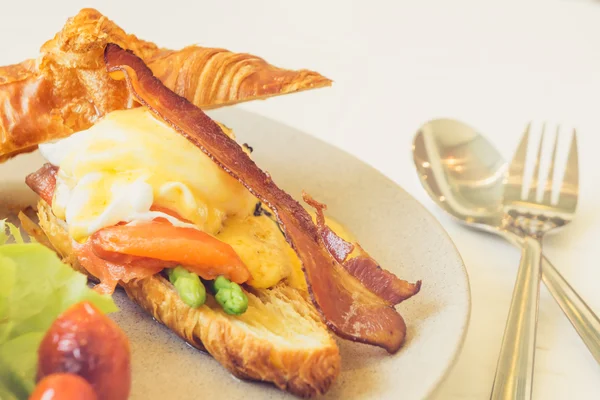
[516, 169]
[550, 178]
[570, 185]
[532, 196]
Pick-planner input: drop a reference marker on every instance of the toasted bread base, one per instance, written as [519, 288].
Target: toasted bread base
[280, 339]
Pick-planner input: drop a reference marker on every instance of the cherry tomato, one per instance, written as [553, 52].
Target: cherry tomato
[85, 342]
[63, 387]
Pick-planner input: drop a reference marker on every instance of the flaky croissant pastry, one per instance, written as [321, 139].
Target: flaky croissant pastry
[66, 89]
[280, 339]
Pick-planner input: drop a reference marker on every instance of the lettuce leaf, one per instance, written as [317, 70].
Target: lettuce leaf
[35, 287]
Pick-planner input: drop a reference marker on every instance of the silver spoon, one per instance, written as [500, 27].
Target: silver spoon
[464, 175]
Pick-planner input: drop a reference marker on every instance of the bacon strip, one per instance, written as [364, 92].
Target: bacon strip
[363, 267]
[346, 306]
[337, 247]
[43, 182]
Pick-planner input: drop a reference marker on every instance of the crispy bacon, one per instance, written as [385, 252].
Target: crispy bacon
[363, 267]
[381, 282]
[350, 309]
[337, 247]
[43, 182]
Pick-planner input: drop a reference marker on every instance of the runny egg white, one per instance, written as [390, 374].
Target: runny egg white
[129, 166]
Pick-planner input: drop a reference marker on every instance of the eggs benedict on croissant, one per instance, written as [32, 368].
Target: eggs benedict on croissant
[161, 200]
[122, 170]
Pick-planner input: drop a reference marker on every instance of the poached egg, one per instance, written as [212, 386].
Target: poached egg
[128, 162]
[129, 166]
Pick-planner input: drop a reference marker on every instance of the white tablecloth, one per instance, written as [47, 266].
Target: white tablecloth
[397, 64]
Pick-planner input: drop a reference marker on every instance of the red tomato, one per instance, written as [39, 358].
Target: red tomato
[63, 387]
[85, 342]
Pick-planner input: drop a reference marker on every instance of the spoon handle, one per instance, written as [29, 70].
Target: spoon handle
[583, 319]
[514, 372]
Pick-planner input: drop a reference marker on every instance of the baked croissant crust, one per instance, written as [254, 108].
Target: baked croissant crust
[280, 338]
[67, 89]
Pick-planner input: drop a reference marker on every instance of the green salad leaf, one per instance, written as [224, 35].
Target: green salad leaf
[35, 288]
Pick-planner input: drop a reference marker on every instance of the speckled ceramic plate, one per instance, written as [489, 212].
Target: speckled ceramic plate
[389, 223]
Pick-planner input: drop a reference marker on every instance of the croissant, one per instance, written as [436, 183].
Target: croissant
[262, 344]
[66, 89]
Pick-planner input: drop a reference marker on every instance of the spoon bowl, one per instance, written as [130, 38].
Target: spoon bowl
[462, 172]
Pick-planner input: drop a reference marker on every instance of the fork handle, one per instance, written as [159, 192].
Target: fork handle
[583, 319]
[514, 372]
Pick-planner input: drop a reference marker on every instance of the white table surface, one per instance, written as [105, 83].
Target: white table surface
[395, 65]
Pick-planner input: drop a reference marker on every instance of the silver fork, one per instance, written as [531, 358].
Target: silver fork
[533, 218]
